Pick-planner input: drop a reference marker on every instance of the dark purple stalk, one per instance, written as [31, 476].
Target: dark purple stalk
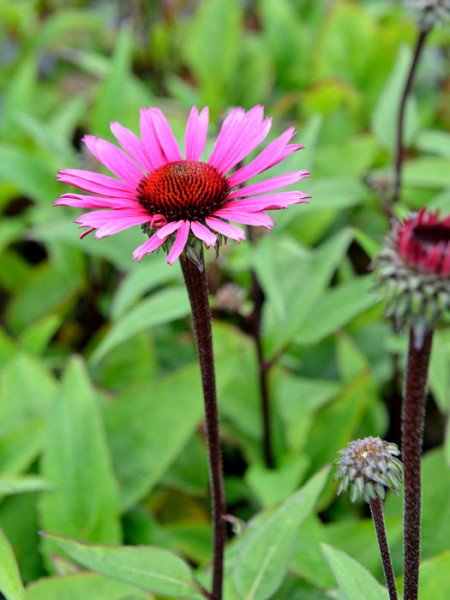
[197, 287]
[401, 114]
[413, 416]
[376, 508]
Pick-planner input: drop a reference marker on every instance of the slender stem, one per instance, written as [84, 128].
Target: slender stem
[197, 287]
[413, 416]
[401, 113]
[263, 366]
[376, 508]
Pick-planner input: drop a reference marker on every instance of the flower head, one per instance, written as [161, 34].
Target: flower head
[183, 201]
[429, 12]
[369, 466]
[413, 270]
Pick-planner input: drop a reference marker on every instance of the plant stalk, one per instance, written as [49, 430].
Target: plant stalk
[413, 417]
[401, 113]
[197, 288]
[376, 508]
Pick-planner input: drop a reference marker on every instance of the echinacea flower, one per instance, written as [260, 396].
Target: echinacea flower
[413, 270]
[182, 199]
[367, 467]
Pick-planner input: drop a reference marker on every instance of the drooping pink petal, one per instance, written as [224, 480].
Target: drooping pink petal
[269, 202]
[117, 161]
[246, 218]
[269, 185]
[231, 231]
[196, 133]
[168, 229]
[166, 138]
[179, 243]
[150, 140]
[87, 232]
[131, 144]
[96, 183]
[149, 246]
[270, 156]
[108, 222]
[203, 233]
[87, 201]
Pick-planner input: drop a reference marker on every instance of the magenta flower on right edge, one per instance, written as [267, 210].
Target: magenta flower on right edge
[413, 268]
[182, 200]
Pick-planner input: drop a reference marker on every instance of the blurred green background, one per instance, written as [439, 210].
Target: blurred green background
[100, 392]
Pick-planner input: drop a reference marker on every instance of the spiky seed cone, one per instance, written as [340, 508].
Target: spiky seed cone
[412, 271]
[367, 467]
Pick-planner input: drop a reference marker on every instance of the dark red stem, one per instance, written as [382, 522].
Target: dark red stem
[376, 508]
[197, 287]
[401, 114]
[413, 417]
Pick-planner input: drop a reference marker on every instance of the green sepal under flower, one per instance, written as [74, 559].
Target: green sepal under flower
[368, 467]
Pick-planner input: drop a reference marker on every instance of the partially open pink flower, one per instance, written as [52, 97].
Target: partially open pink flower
[424, 242]
[183, 199]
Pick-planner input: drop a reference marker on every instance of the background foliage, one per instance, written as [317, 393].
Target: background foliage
[101, 433]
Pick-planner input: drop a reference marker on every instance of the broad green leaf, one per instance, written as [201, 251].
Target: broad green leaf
[354, 581]
[146, 567]
[439, 373]
[427, 173]
[162, 307]
[75, 461]
[265, 554]
[336, 308]
[17, 485]
[384, 119]
[434, 578]
[63, 26]
[148, 427]
[11, 230]
[263, 259]
[111, 94]
[82, 586]
[19, 94]
[214, 40]
[36, 338]
[353, 157]
[27, 391]
[434, 141]
[298, 400]
[10, 584]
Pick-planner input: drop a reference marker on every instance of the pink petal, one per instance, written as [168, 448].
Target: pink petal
[239, 136]
[246, 218]
[166, 138]
[108, 222]
[150, 140]
[131, 144]
[270, 156]
[168, 229]
[149, 246]
[87, 232]
[269, 185]
[196, 133]
[96, 183]
[203, 233]
[269, 202]
[231, 231]
[179, 243]
[87, 201]
[114, 158]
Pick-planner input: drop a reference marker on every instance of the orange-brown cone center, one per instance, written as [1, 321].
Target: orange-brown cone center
[185, 189]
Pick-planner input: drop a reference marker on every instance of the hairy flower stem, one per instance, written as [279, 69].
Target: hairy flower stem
[412, 432]
[197, 287]
[401, 114]
[376, 508]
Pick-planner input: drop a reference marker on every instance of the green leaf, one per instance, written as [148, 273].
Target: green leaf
[17, 485]
[384, 119]
[440, 370]
[148, 427]
[161, 307]
[434, 141]
[353, 580]
[265, 553]
[76, 461]
[82, 586]
[36, 338]
[263, 259]
[10, 584]
[427, 172]
[336, 308]
[146, 567]
[20, 446]
[434, 578]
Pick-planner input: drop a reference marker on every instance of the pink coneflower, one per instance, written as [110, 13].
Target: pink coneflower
[424, 242]
[182, 200]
